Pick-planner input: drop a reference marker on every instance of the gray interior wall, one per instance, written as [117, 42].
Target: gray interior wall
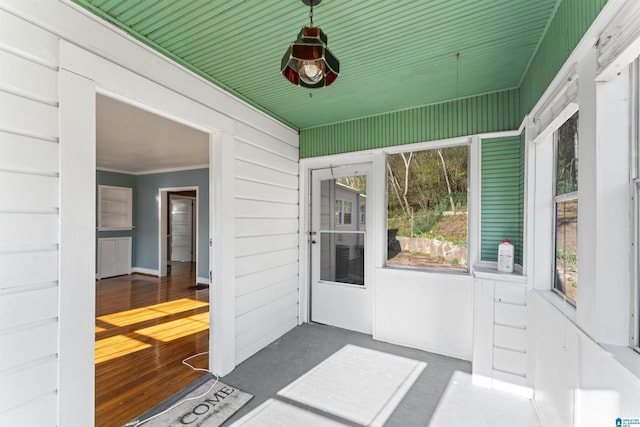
[146, 215]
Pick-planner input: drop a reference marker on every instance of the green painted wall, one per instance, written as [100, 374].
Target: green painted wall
[502, 199]
[486, 113]
[573, 18]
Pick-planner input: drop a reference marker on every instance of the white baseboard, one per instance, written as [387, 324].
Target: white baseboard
[202, 280]
[145, 271]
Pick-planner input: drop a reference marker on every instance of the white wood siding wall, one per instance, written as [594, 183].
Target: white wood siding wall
[266, 262]
[263, 199]
[29, 214]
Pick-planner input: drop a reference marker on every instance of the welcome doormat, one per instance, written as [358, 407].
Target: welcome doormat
[195, 408]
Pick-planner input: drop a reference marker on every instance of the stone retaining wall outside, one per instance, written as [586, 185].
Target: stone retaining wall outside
[434, 248]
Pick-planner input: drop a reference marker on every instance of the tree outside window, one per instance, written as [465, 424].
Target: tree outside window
[566, 209]
[427, 208]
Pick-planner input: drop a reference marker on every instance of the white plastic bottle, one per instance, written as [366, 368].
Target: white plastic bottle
[505, 257]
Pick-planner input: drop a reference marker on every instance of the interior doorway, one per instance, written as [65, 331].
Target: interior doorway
[181, 228]
[149, 321]
[178, 228]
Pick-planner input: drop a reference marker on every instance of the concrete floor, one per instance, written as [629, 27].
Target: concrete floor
[441, 395]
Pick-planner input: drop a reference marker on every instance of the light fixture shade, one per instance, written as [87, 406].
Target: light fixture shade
[308, 62]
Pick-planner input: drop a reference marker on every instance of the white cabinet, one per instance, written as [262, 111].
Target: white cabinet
[115, 208]
[500, 336]
[114, 256]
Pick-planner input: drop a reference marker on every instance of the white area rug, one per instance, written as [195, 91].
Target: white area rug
[355, 384]
[277, 413]
[210, 410]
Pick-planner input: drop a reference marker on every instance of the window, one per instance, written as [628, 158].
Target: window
[427, 209]
[566, 209]
[343, 212]
[362, 213]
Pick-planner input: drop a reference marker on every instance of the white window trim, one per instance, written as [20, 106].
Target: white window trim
[634, 111]
[542, 153]
[342, 210]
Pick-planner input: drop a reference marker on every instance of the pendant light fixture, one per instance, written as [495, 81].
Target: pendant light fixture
[308, 62]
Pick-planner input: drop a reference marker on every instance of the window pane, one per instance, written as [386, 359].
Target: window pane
[567, 157]
[342, 257]
[566, 277]
[347, 213]
[427, 208]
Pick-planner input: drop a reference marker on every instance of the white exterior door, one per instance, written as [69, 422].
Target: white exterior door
[181, 228]
[340, 293]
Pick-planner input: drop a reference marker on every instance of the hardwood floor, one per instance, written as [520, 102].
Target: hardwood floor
[145, 327]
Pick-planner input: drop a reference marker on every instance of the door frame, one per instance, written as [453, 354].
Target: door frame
[82, 75]
[163, 194]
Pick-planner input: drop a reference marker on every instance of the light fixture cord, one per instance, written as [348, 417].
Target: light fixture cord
[311, 14]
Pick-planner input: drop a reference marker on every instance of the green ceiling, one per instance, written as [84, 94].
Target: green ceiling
[394, 54]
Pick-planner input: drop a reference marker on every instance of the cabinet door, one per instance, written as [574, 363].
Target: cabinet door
[123, 256]
[107, 249]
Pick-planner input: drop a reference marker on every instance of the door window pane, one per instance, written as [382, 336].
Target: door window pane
[342, 257]
[342, 240]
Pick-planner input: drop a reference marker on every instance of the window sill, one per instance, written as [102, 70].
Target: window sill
[489, 272]
[433, 270]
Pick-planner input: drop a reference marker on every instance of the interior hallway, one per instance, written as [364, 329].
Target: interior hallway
[145, 327]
